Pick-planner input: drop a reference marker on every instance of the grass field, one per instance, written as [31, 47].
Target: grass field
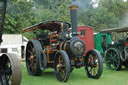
[77, 77]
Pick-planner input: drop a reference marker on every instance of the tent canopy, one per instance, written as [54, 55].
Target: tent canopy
[121, 29]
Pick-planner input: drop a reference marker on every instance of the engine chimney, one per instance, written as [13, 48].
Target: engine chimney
[73, 11]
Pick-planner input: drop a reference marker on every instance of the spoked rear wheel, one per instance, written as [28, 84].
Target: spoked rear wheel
[33, 57]
[112, 59]
[62, 66]
[10, 70]
[93, 64]
[124, 54]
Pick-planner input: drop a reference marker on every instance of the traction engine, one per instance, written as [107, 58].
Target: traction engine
[61, 48]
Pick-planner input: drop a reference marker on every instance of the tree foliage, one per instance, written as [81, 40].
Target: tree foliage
[107, 15]
[24, 13]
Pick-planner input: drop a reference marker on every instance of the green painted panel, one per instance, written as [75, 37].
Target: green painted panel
[98, 40]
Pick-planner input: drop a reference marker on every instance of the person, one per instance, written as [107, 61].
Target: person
[104, 44]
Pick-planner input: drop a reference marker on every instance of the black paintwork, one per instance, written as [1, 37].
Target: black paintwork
[2, 18]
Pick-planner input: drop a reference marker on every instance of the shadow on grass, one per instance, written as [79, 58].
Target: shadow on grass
[48, 73]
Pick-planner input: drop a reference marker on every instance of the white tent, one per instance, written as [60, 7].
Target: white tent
[13, 43]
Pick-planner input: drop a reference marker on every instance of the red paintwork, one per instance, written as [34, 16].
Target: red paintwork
[126, 44]
[53, 40]
[88, 38]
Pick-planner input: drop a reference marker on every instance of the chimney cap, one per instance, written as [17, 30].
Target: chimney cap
[73, 7]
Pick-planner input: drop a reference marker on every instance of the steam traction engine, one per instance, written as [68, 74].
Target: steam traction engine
[116, 54]
[61, 49]
[10, 68]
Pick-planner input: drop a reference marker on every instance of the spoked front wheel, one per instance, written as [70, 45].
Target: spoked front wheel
[62, 66]
[10, 70]
[112, 59]
[93, 64]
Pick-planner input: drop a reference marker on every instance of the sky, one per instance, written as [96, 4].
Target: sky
[124, 0]
[96, 2]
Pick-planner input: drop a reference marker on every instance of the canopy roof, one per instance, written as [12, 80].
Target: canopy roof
[49, 25]
[121, 29]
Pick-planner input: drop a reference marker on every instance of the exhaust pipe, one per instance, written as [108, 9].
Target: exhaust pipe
[73, 11]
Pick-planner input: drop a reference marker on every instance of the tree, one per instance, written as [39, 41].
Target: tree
[107, 15]
[23, 13]
[18, 16]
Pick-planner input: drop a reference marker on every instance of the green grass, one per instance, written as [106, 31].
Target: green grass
[77, 77]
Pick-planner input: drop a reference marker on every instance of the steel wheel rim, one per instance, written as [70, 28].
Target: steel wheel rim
[10, 69]
[112, 59]
[60, 67]
[92, 65]
[6, 78]
[31, 58]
